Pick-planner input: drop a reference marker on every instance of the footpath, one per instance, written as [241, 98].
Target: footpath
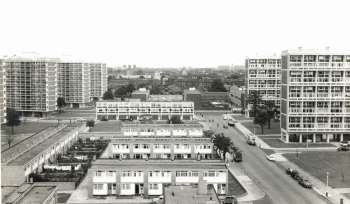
[333, 195]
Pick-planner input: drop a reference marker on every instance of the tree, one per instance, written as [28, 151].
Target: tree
[60, 103]
[255, 99]
[108, 95]
[12, 120]
[90, 123]
[175, 120]
[120, 92]
[260, 119]
[156, 90]
[217, 85]
[130, 88]
[270, 109]
[222, 143]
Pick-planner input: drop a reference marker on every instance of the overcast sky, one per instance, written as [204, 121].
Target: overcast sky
[160, 33]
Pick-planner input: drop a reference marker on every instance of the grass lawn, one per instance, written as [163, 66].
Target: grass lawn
[23, 131]
[234, 187]
[318, 163]
[106, 126]
[275, 128]
[268, 151]
[264, 200]
[62, 197]
[277, 143]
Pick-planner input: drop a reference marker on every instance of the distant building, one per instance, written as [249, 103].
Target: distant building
[315, 102]
[136, 110]
[33, 194]
[74, 83]
[2, 92]
[192, 94]
[165, 98]
[157, 75]
[142, 94]
[98, 80]
[263, 76]
[31, 85]
[207, 100]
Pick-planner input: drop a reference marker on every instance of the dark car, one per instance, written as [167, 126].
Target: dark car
[305, 183]
[289, 171]
[225, 126]
[343, 148]
[251, 142]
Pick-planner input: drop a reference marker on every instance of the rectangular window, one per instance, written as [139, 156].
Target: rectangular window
[125, 186]
[98, 186]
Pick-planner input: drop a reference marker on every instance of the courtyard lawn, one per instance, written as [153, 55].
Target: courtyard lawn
[234, 187]
[21, 132]
[277, 143]
[275, 128]
[106, 126]
[62, 197]
[318, 163]
[264, 200]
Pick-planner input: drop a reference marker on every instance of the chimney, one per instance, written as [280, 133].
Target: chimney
[300, 48]
[327, 48]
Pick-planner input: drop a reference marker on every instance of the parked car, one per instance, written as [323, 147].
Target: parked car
[251, 142]
[225, 117]
[344, 144]
[289, 171]
[271, 157]
[305, 183]
[225, 126]
[230, 200]
[237, 156]
[343, 148]
[231, 123]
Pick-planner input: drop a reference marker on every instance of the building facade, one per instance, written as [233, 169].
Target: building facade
[2, 92]
[98, 80]
[263, 77]
[140, 177]
[74, 83]
[315, 101]
[112, 110]
[31, 85]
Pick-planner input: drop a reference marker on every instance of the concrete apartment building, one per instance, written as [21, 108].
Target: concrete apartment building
[31, 85]
[74, 83]
[141, 177]
[98, 80]
[315, 101]
[263, 76]
[2, 92]
[113, 110]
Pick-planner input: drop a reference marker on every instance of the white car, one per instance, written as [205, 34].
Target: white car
[225, 117]
[271, 157]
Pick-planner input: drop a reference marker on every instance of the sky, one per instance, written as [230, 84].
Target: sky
[171, 33]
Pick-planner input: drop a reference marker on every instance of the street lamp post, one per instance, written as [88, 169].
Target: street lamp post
[327, 173]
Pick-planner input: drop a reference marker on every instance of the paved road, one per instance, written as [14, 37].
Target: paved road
[268, 176]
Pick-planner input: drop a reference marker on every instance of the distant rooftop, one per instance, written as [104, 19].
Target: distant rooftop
[106, 126]
[189, 125]
[33, 152]
[161, 164]
[189, 195]
[31, 194]
[325, 51]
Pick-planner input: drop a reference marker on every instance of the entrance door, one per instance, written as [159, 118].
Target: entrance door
[109, 192]
[137, 189]
[114, 188]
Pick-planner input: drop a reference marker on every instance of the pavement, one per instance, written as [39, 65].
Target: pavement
[269, 177]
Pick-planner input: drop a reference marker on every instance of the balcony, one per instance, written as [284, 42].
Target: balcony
[337, 95]
[322, 95]
[295, 110]
[309, 95]
[322, 110]
[336, 125]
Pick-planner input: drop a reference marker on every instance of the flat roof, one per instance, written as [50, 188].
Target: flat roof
[188, 195]
[161, 164]
[189, 125]
[316, 52]
[37, 195]
[161, 140]
[33, 152]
